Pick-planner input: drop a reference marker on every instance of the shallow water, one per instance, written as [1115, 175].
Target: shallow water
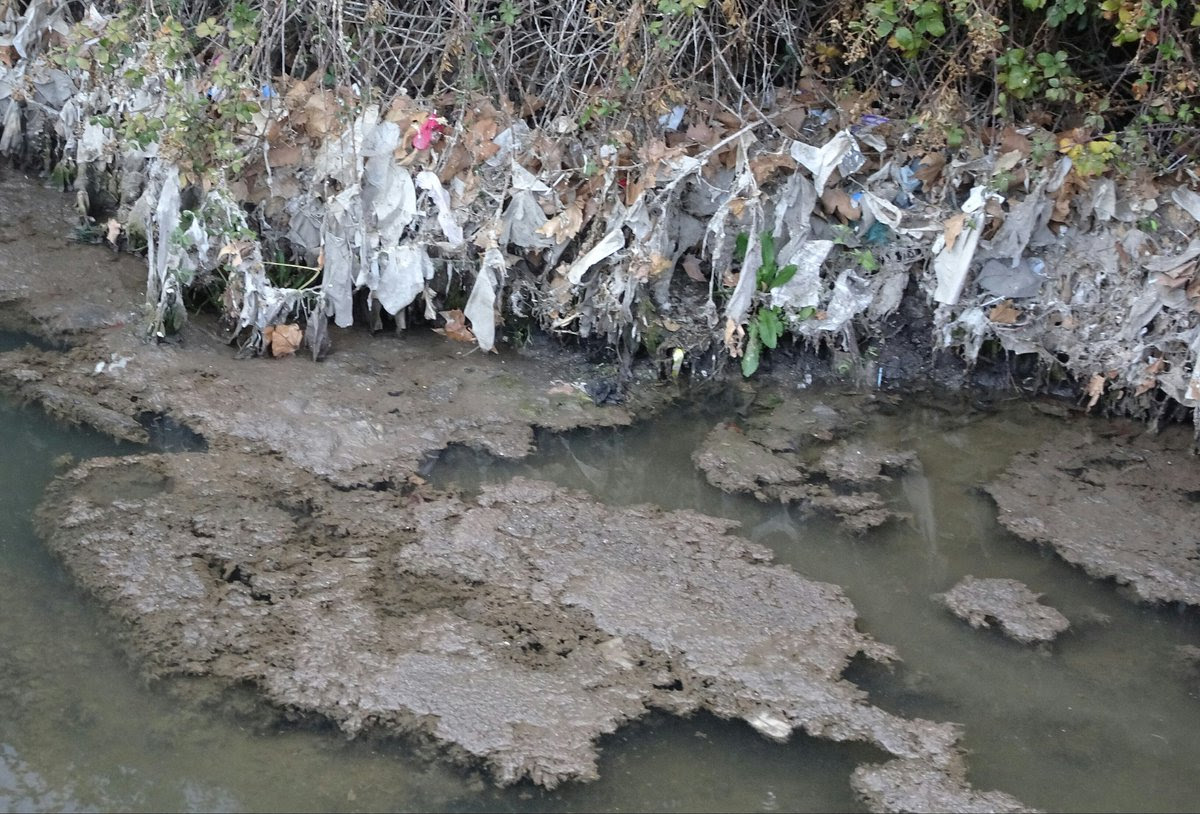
[1108, 718]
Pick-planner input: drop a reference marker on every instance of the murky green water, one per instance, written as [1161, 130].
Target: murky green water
[1106, 719]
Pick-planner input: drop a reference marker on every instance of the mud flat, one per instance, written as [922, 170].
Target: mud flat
[1006, 604]
[1119, 507]
[514, 628]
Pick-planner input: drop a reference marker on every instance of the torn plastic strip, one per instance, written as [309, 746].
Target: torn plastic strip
[951, 264]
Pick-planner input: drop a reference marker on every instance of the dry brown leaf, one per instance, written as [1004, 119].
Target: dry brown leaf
[321, 109]
[703, 134]
[930, 168]
[113, 230]
[1004, 313]
[458, 160]
[737, 206]
[480, 137]
[285, 339]
[954, 226]
[1178, 278]
[733, 338]
[670, 324]
[403, 110]
[1095, 389]
[565, 225]
[1193, 290]
[691, 267]
[456, 326]
[1008, 160]
[285, 155]
[767, 164]
[1145, 386]
[837, 202]
[1062, 206]
[658, 264]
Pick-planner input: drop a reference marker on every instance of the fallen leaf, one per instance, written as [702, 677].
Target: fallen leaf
[114, 230]
[703, 134]
[1193, 290]
[284, 155]
[670, 324]
[1004, 313]
[954, 226]
[285, 339]
[733, 338]
[1095, 389]
[456, 326]
[767, 164]
[930, 168]
[1177, 278]
[837, 202]
[562, 389]
[1145, 386]
[565, 225]
[1008, 160]
[691, 267]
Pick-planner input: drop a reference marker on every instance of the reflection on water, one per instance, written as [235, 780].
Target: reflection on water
[1106, 719]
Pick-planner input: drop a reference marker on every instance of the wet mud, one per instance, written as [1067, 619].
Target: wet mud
[802, 451]
[514, 628]
[1006, 604]
[1121, 507]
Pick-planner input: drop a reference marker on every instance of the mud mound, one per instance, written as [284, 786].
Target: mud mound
[1119, 507]
[514, 629]
[1007, 604]
[796, 452]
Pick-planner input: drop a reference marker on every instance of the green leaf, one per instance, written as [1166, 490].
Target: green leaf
[753, 351]
[904, 38]
[884, 28]
[807, 312]
[740, 246]
[935, 27]
[783, 276]
[768, 251]
[770, 327]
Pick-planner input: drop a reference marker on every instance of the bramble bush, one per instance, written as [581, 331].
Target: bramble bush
[949, 67]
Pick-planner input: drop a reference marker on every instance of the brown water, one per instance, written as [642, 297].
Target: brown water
[1108, 718]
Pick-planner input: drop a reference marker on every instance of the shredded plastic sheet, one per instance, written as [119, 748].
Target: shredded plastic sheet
[952, 261]
[1115, 296]
[822, 161]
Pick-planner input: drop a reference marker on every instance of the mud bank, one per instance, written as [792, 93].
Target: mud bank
[515, 628]
[1120, 507]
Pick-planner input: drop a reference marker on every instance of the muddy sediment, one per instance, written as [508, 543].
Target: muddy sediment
[1120, 507]
[1006, 604]
[515, 628]
[797, 452]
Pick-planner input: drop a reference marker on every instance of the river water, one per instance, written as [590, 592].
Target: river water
[1105, 719]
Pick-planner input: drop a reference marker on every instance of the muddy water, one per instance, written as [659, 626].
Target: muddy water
[1108, 718]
